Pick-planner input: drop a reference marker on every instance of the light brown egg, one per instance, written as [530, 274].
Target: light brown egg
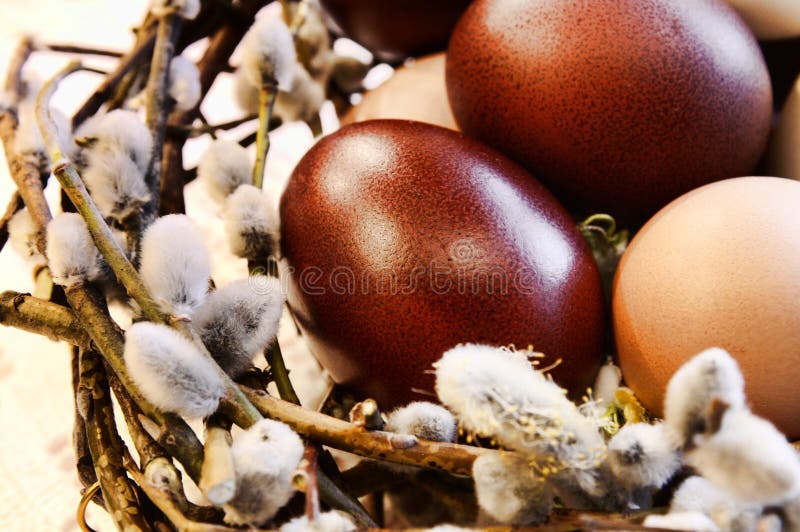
[719, 266]
[770, 19]
[415, 92]
[784, 150]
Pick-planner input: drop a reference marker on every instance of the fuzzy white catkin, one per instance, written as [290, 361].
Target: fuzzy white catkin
[251, 223]
[302, 100]
[115, 182]
[171, 372]
[175, 264]
[268, 52]
[643, 456]
[712, 374]
[121, 130]
[188, 9]
[750, 458]
[245, 93]
[184, 83]
[697, 494]
[224, 166]
[265, 457]
[508, 489]
[496, 393]
[427, 421]
[71, 253]
[333, 521]
[682, 521]
[22, 234]
[240, 320]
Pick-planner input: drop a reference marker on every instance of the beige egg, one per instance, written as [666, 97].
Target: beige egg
[784, 152]
[770, 19]
[415, 92]
[719, 266]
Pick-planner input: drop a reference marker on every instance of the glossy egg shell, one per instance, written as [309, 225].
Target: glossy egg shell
[716, 267]
[395, 30]
[415, 92]
[405, 239]
[616, 105]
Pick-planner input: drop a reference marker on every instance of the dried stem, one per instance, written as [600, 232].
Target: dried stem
[266, 102]
[305, 480]
[218, 478]
[42, 317]
[106, 446]
[13, 83]
[15, 204]
[135, 57]
[83, 458]
[195, 131]
[169, 28]
[165, 502]
[80, 49]
[279, 373]
[450, 457]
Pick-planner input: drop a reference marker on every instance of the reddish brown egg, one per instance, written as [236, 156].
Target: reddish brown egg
[415, 92]
[395, 30]
[404, 239]
[719, 266]
[616, 105]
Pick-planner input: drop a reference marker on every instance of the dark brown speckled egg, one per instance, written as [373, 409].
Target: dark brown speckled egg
[616, 105]
[405, 239]
[394, 30]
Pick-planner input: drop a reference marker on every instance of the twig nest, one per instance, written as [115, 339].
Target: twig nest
[171, 372]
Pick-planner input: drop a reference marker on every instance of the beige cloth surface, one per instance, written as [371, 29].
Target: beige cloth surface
[39, 490]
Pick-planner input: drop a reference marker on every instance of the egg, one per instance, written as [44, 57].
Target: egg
[784, 153]
[402, 240]
[770, 19]
[617, 106]
[416, 91]
[395, 30]
[718, 266]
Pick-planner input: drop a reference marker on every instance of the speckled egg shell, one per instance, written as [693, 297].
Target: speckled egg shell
[719, 266]
[616, 105]
[415, 92]
[405, 239]
[395, 30]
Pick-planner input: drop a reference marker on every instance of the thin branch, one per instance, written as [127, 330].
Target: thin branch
[42, 317]
[218, 478]
[135, 57]
[266, 103]
[106, 446]
[13, 83]
[196, 131]
[15, 204]
[305, 480]
[84, 465]
[169, 29]
[279, 373]
[450, 457]
[79, 49]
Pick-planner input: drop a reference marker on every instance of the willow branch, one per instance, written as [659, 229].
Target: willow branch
[79, 49]
[195, 131]
[13, 83]
[135, 57]
[84, 465]
[169, 28]
[218, 478]
[106, 446]
[369, 476]
[305, 480]
[449, 457]
[15, 204]
[266, 103]
[165, 502]
[42, 317]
